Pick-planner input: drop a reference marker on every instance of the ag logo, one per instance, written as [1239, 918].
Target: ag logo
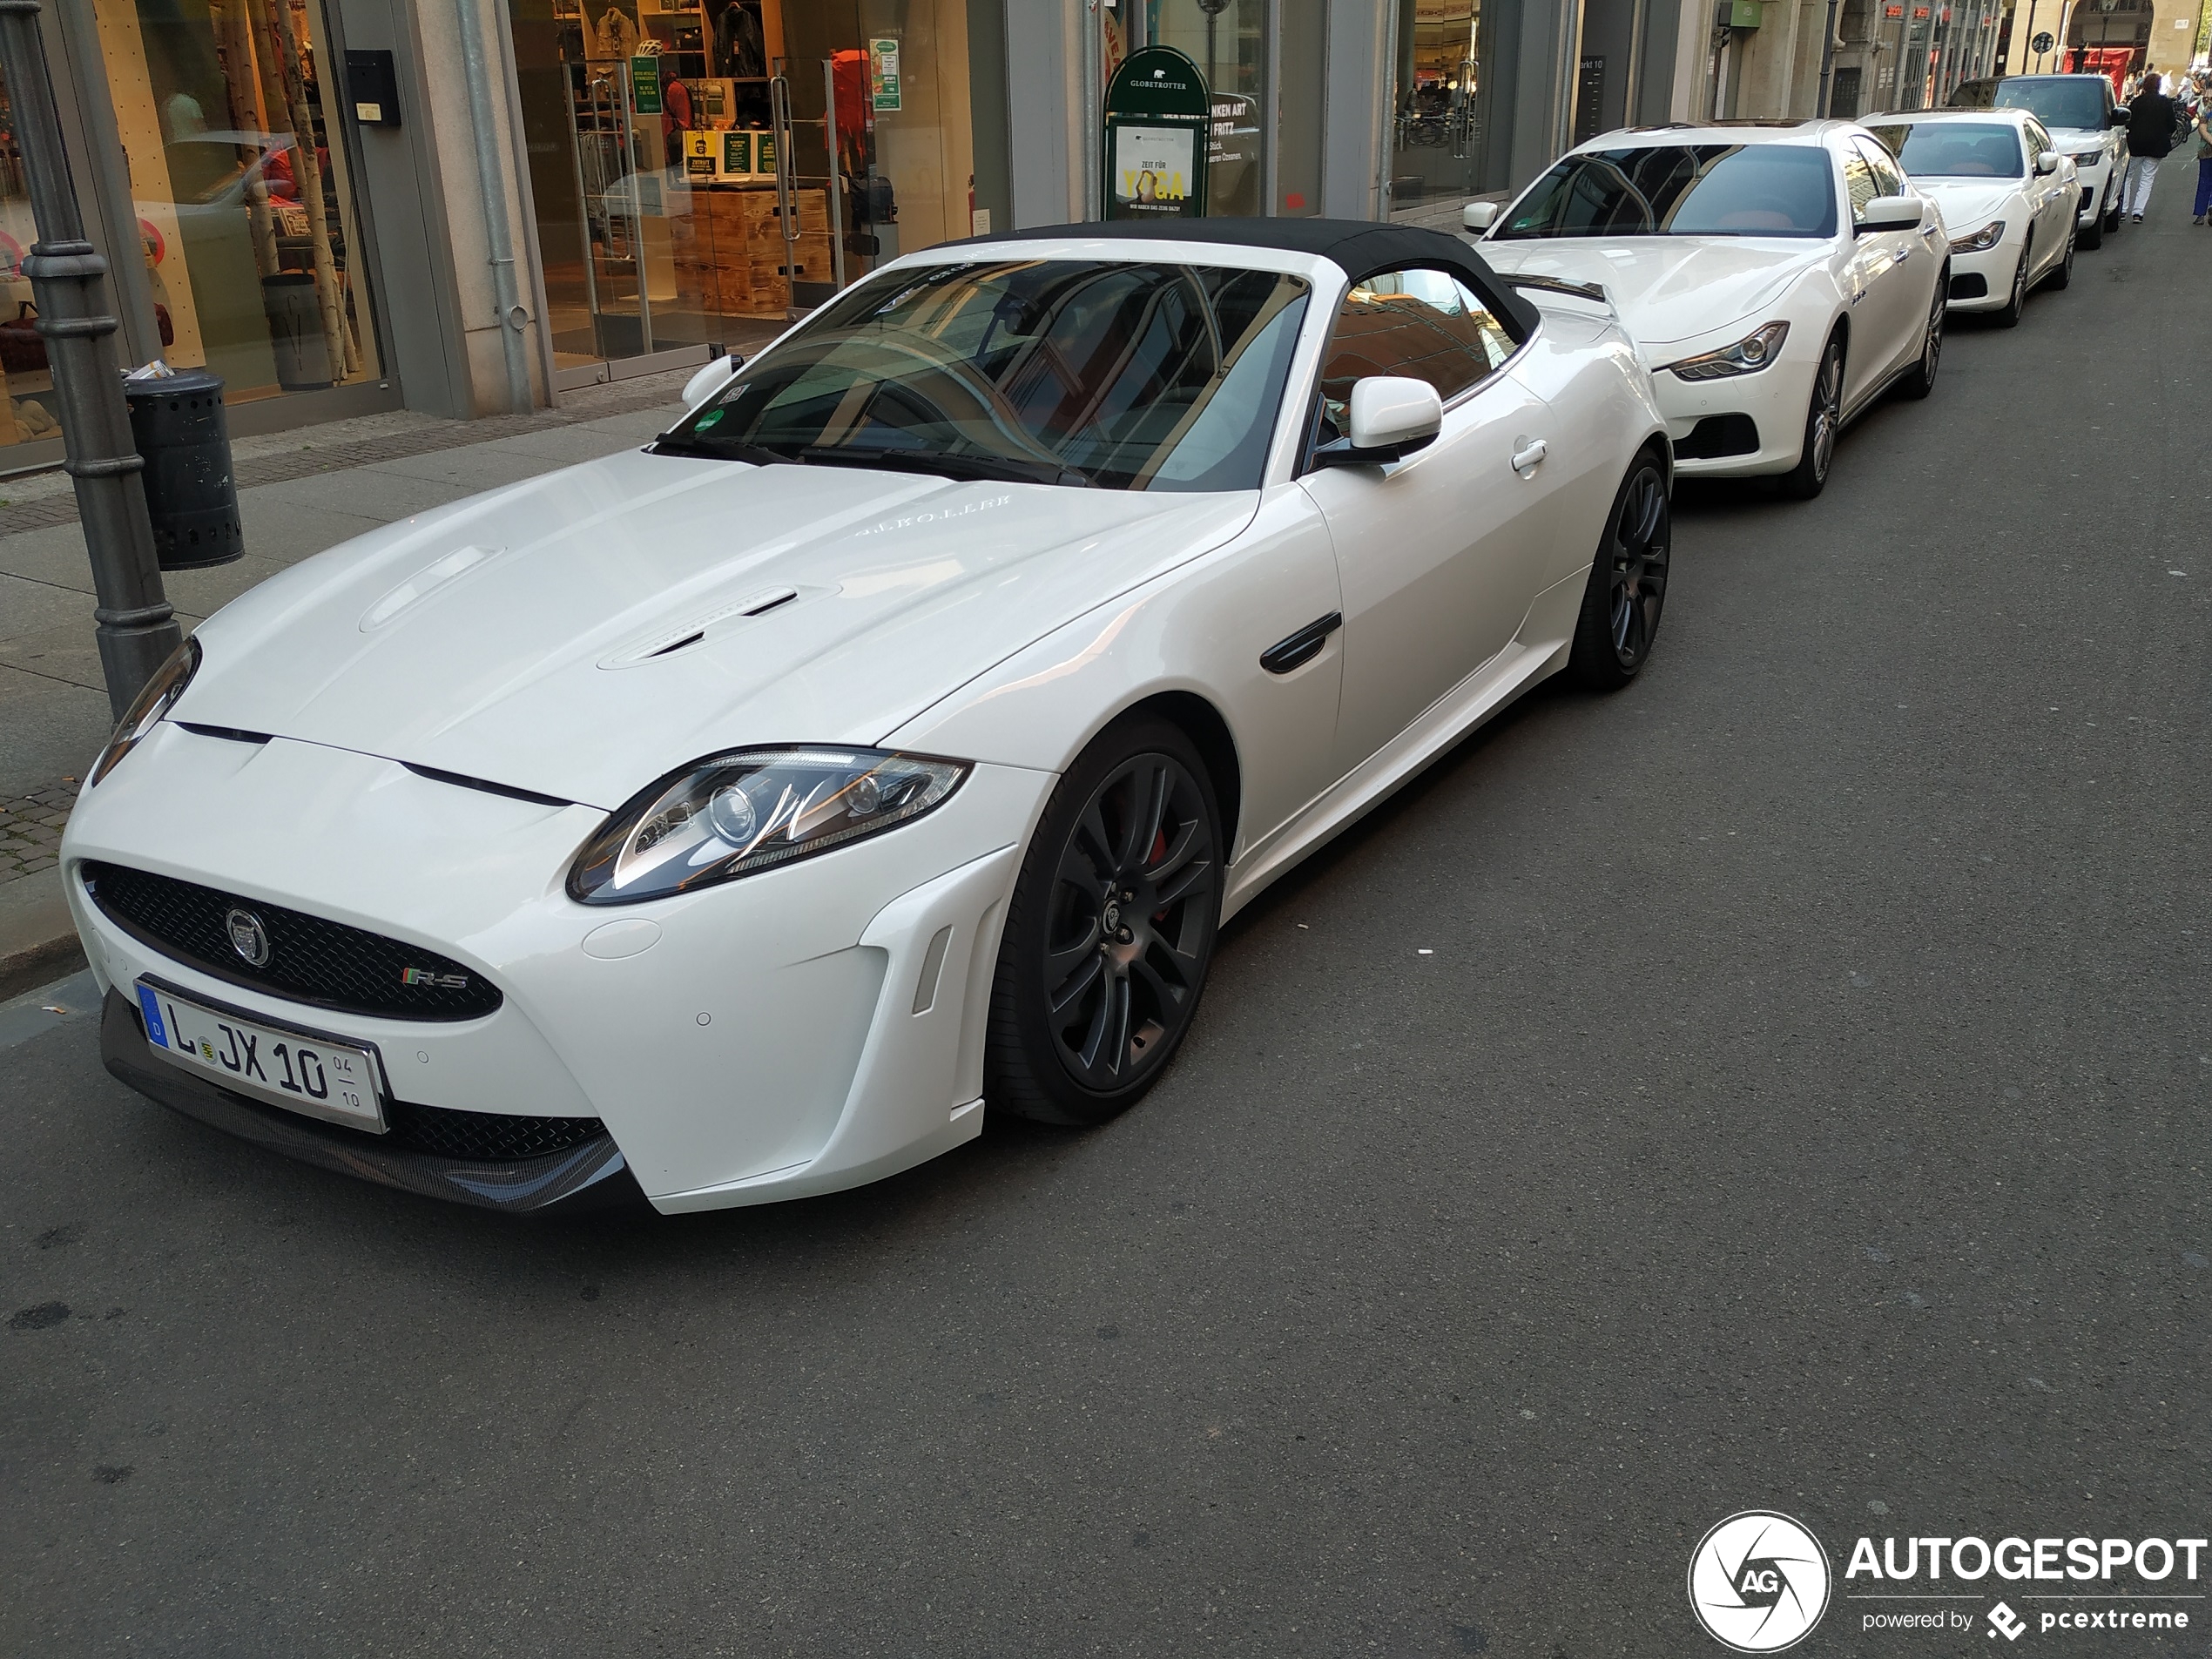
[1758, 1581]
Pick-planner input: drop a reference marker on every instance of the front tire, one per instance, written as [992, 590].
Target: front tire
[1824, 419]
[2093, 237]
[2016, 302]
[1628, 585]
[1111, 930]
[1921, 379]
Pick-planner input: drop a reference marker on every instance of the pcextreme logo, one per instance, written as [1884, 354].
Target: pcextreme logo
[1758, 1581]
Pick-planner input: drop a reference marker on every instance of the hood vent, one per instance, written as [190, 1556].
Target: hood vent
[698, 631]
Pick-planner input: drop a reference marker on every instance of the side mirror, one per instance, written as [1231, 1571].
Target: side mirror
[711, 380]
[2121, 116]
[1479, 216]
[2048, 162]
[1891, 213]
[1392, 416]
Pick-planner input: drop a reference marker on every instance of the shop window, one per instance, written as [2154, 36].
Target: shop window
[1228, 41]
[658, 131]
[241, 189]
[29, 412]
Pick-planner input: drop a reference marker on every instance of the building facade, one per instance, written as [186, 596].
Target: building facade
[468, 206]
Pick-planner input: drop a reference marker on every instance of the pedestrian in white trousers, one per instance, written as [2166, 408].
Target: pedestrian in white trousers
[2150, 134]
[2134, 193]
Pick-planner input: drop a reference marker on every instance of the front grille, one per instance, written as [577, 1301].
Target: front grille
[309, 960]
[486, 1137]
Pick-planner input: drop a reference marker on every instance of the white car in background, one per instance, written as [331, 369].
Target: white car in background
[731, 818]
[2085, 121]
[2008, 194]
[1778, 276]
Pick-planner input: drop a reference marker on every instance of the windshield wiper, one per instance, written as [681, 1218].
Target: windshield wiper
[667, 444]
[947, 465]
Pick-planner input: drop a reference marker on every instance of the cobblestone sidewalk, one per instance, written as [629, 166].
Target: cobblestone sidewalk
[31, 829]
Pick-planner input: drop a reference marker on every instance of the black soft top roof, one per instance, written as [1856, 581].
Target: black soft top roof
[1360, 247]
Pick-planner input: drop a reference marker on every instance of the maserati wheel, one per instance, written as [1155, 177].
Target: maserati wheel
[1628, 587]
[1919, 380]
[1824, 419]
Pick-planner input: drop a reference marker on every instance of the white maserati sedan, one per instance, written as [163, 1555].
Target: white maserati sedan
[734, 819]
[1779, 277]
[2006, 192]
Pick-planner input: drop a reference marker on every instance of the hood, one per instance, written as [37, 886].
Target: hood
[1669, 288]
[582, 633]
[1969, 204]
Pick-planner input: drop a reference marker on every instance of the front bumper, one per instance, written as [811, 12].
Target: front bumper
[1774, 399]
[2094, 181]
[761, 1039]
[1994, 266]
[592, 1177]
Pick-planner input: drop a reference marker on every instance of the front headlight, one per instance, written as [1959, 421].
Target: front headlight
[752, 809]
[1979, 241]
[2085, 157]
[147, 709]
[1747, 356]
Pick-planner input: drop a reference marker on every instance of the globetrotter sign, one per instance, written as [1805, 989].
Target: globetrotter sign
[1158, 116]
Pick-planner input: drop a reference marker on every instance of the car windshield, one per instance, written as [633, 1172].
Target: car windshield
[1112, 373]
[1682, 190]
[1955, 149]
[2068, 103]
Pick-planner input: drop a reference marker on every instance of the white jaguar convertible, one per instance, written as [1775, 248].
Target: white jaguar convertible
[732, 820]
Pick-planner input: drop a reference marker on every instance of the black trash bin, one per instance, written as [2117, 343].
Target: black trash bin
[178, 424]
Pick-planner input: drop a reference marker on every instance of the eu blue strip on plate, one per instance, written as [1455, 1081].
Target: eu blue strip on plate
[155, 1032]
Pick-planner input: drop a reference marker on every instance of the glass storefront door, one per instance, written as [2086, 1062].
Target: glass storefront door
[1437, 129]
[697, 166]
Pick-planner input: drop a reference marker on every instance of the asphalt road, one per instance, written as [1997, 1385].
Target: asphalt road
[1804, 1107]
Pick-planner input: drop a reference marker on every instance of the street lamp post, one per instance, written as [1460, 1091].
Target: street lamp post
[136, 628]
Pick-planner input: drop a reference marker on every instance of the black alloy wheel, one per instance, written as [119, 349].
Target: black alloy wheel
[2093, 237]
[1111, 930]
[1823, 419]
[1627, 586]
[2016, 302]
[1921, 379]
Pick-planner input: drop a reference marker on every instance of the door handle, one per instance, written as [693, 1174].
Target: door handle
[1301, 647]
[1904, 254]
[1524, 459]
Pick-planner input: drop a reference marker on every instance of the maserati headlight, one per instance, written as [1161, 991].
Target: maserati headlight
[1979, 241]
[1747, 356]
[752, 809]
[144, 713]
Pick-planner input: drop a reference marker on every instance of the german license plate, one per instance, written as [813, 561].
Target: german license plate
[317, 1076]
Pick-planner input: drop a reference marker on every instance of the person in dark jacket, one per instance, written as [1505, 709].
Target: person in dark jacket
[2150, 134]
